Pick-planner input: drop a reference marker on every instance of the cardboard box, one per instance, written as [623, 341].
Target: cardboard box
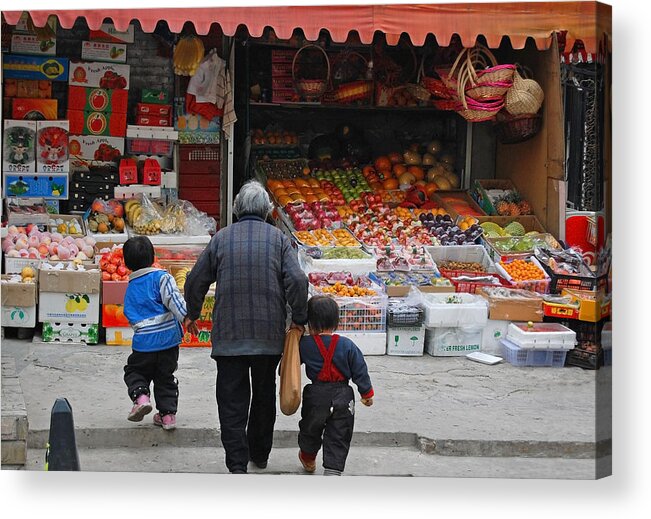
[18, 304]
[113, 316]
[28, 88]
[23, 211]
[67, 218]
[516, 309]
[36, 185]
[154, 109]
[119, 336]
[584, 306]
[34, 109]
[70, 332]
[95, 148]
[32, 44]
[22, 66]
[23, 24]
[16, 265]
[98, 100]
[153, 120]
[408, 341]
[493, 333]
[69, 296]
[479, 189]
[124, 192]
[150, 173]
[99, 75]
[449, 342]
[189, 123]
[108, 33]
[169, 180]
[97, 123]
[113, 292]
[19, 146]
[104, 51]
[154, 96]
[52, 146]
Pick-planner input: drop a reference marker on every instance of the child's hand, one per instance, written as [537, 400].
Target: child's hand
[368, 402]
[191, 326]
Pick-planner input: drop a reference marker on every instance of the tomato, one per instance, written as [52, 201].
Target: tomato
[106, 276]
[111, 268]
[115, 260]
[116, 277]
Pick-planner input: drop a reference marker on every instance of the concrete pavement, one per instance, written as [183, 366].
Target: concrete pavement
[445, 406]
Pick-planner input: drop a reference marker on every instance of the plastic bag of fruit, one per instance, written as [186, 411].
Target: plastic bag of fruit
[147, 219]
[174, 218]
[197, 223]
[105, 216]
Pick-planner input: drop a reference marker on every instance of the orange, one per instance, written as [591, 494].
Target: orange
[390, 184]
[417, 171]
[367, 170]
[313, 182]
[382, 163]
[293, 191]
[301, 182]
[310, 199]
[280, 192]
[307, 191]
[274, 184]
[288, 183]
[297, 197]
[399, 169]
[284, 200]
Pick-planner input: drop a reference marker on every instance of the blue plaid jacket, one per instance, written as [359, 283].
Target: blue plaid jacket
[258, 277]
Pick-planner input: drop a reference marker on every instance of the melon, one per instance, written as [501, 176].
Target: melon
[454, 179]
[442, 183]
[406, 178]
[428, 159]
[412, 158]
[432, 173]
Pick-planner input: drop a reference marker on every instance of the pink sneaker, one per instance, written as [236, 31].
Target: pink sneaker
[167, 422]
[141, 407]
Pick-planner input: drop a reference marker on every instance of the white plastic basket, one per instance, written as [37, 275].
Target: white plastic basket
[541, 336]
[465, 253]
[471, 311]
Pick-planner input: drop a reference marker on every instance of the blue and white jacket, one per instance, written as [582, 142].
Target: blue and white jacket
[155, 309]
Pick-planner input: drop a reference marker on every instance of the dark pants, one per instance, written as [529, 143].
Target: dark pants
[327, 416]
[158, 367]
[246, 407]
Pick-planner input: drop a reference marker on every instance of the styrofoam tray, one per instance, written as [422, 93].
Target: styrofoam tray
[472, 311]
[541, 336]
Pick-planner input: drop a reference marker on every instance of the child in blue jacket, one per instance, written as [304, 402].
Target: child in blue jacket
[328, 410]
[155, 309]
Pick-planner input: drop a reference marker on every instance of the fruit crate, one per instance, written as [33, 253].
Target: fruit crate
[461, 253]
[529, 221]
[362, 314]
[203, 159]
[520, 357]
[535, 285]
[480, 195]
[465, 283]
[400, 316]
[163, 148]
[585, 359]
[560, 282]
[496, 246]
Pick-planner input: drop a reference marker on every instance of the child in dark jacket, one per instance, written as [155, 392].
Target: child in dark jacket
[155, 309]
[328, 410]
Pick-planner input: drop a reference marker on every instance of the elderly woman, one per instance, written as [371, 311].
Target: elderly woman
[257, 275]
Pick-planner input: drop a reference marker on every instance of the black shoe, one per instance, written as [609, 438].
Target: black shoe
[260, 464]
[238, 471]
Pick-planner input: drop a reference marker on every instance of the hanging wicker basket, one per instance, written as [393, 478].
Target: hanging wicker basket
[525, 96]
[511, 129]
[473, 110]
[312, 89]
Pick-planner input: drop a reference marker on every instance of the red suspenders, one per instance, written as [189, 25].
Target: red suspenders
[328, 373]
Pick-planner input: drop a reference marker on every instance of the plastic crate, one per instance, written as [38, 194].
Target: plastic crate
[585, 359]
[469, 286]
[162, 148]
[541, 336]
[519, 357]
[203, 159]
[410, 317]
[535, 285]
[470, 310]
[465, 253]
[362, 314]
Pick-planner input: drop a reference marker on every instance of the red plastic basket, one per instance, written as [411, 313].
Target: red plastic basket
[472, 286]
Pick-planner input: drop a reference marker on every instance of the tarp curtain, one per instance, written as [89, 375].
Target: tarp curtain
[587, 21]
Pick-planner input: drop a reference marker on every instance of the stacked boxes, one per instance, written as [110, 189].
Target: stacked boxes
[18, 303]
[405, 330]
[69, 305]
[96, 181]
[282, 85]
[118, 330]
[199, 177]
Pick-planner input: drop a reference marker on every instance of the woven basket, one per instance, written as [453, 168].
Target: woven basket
[471, 109]
[311, 89]
[449, 74]
[518, 128]
[354, 91]
[524, 97]
[492, 72]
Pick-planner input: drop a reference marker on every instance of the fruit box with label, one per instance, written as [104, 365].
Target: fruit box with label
[70, 332]
[97, 123]
[37, 185]
[407, 341]
[113, 304]
[18, 303]
[108, 32]
[21, 66]
[34, 109]
[69, 296]
[99, 75]
[95, 148]
[97, 100]
[104, 51]
[154, 109]
[153, 120]
[458, 341]
[154, 96]
[19, 146]
[28, 88]
[119, 336]
[52, 147]
[32, 44]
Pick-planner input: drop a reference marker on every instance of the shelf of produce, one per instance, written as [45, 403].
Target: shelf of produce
[175, 239]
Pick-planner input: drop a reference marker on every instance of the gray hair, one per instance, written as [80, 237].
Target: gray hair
[252, 199]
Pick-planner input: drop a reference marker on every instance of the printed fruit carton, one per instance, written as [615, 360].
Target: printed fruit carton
[69, 296]
[107, 32]
[153, 120]
[99, 75]
[95, 148]
[32, 44]
[19, 146]
[28, 88]
[98, 100]
[52, 147]
[154, 109]
[70, 332]
[36, 185]
[104, 51]
[119, 336]
[34, 109]
[154, 96]
[22, 66]
[97, 123]
[18, 304]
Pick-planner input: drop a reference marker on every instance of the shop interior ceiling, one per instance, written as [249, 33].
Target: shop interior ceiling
[579, 20]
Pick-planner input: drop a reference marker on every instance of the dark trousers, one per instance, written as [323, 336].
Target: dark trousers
[246, 405]
[158, 367]
[328, 417]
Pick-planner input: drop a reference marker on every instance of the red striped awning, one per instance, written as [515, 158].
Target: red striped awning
[587, 21]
